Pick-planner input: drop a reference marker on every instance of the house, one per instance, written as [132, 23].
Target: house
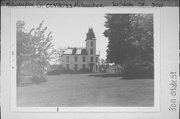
[82, 58]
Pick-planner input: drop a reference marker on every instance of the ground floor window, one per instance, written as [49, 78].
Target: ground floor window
[75, 67]
[84, 66]
[91, 59]
[84, 59]
[67, 66]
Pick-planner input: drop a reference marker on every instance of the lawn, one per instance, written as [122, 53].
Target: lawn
[87, 90]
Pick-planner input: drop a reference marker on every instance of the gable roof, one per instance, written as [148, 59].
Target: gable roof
[75, 51]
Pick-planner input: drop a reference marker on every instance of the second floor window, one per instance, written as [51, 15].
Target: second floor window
[84, 59]
[67, 58]
[91, 59]
[75, 58]
[91, 43]
[91, 51]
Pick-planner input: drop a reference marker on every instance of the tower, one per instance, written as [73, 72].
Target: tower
[91, 49]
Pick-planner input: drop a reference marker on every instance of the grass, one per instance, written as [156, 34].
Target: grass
[87, 90]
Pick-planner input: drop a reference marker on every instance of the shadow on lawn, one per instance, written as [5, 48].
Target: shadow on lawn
[120, 76]
[31, 80]
[104, 75]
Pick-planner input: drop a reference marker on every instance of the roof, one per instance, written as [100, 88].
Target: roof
[90, 35]
[75, 51]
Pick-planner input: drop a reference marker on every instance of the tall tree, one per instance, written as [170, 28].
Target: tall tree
[42, 50]
[34, 48]
[118, 29]
[23, 48]
[142, 35]
[130, 40]
[129, 35]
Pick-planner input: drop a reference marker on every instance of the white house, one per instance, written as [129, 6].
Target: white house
[82, 58]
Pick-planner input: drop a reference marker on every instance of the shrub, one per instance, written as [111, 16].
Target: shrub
[83, 70]
[53, 72]
[138, 69]
[59, 71]
[37, 79]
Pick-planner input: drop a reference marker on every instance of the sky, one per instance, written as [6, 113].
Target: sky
[70, 29]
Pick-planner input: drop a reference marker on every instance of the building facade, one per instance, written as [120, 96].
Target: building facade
[82, 58]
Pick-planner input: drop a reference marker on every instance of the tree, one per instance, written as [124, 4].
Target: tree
[23, 48]
[142, 35]
[130, 40]
[118, 29]
[34, 48]
[58, 54]
[42, 50]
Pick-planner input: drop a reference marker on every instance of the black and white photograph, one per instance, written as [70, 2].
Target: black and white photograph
[89, 63]
[85, 60]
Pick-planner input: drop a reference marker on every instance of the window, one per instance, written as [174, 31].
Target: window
[67, 58]
[91, 51]
[96, 68]
[84, 66]
[84, 59]
[96, 59]
[91, 43]
[75, 58]
[75, 67]
[67, 66]
[91, 59]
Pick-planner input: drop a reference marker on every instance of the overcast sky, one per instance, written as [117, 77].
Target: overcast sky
[71, 29]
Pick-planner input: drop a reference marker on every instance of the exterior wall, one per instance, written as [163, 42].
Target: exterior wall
[89, 47]
[72, 61]
[80, 58]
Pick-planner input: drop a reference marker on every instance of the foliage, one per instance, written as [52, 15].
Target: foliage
[60, 71]
[66, 71]
[84, 70]
[130, 36]
[41, 49]
[34, 48]
[54, 72]
[23, 47]
[58, 55]
[138, 68]
[118, 28]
